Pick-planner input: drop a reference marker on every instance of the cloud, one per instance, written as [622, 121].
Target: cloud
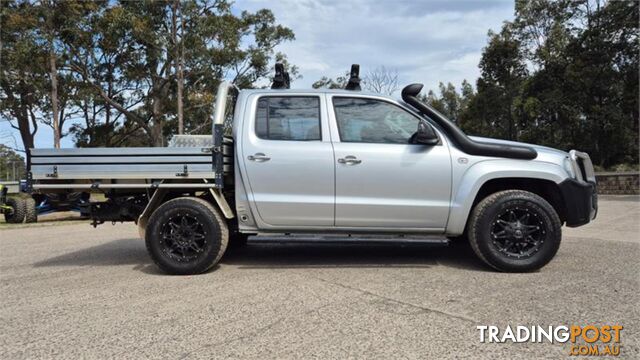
[426, 41]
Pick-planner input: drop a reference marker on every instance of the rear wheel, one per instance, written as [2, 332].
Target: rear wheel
[17, 213]
[514, 231]
[186, 236]
[31, 213]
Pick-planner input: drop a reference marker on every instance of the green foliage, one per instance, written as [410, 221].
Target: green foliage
[123, 66]
[11, 164]
[340, 82]
[449, 102]
[562, 74]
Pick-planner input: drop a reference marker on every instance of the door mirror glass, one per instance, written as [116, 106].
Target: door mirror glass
[425, 135]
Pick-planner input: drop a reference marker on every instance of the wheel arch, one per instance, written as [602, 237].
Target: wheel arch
[198, 217]
[488, 177]
[162, 195]
[546, 189]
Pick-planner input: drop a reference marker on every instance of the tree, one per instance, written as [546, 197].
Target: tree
[586, 59]
[381, 80]
[449, 102]
[57, 24]
[128, 73]
[176, 55]
[496, 106]
[178, 45]
[32, 36]
[22, 70]
[563, 74]
[12, 165]
[340, 82]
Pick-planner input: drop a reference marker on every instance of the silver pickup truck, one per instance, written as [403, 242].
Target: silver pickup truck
[322, 163]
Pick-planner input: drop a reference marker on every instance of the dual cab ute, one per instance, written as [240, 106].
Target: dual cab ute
[320, 162]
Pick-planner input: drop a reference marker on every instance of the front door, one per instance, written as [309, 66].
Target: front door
[289, 165]
[381, 179]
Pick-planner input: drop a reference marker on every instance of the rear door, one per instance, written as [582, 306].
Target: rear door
[383, 181]
[288, 158]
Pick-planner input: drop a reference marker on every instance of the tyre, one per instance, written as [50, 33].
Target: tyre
[514, 231]
[17, 215]
[186, 236]
[31, 212]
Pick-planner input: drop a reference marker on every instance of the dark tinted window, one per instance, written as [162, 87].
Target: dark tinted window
[373, 121]
[288, 118]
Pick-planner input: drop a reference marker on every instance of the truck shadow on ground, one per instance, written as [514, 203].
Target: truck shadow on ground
[309, 256]
[284, 256]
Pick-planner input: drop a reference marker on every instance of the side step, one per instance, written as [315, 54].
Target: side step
[351, 239]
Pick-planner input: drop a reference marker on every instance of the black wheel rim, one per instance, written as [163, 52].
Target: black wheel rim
[518, 232]
[183, 237]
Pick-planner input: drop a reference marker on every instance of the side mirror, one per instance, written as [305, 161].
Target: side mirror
[425, 135]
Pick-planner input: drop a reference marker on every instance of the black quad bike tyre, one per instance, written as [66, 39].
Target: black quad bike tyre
[17, 215]
[186, 236]
[514, 231]
[30, 212]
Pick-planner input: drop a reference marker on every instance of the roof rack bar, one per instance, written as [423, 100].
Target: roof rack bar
[281, 80]
[354, 78]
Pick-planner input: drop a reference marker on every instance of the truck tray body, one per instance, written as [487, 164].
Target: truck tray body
[122, 163]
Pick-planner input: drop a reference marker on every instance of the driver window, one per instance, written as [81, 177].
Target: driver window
[373, 121]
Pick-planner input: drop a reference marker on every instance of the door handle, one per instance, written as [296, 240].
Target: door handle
[349, 160]
[259, 157]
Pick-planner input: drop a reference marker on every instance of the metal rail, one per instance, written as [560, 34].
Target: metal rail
[125, 186]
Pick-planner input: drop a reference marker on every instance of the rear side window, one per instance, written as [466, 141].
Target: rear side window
[288, 118]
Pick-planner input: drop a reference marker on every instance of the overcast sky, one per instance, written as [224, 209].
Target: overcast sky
[425, 41]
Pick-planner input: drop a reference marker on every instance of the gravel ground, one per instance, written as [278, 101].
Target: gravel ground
[71, 291]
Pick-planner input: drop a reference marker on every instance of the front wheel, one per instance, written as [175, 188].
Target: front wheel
[186, 236]
[514, 231]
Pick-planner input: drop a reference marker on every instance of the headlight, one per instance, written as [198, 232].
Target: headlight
[568, 166]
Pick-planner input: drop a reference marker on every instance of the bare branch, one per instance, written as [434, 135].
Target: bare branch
[381, 80]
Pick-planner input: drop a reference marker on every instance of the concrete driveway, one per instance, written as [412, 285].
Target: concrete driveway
[71, 291]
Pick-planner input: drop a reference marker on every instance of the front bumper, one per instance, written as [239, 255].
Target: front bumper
[580, 194]
[581, 201]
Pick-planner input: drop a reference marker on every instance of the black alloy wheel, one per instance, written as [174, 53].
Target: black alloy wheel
[518, 232]
[186, 235]
[183, 237]
[514, 230]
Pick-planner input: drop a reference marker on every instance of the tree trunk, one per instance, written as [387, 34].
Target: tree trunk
[156, 128]
[178, 62]
[54, 97]
[24, 126]
[180, 92]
